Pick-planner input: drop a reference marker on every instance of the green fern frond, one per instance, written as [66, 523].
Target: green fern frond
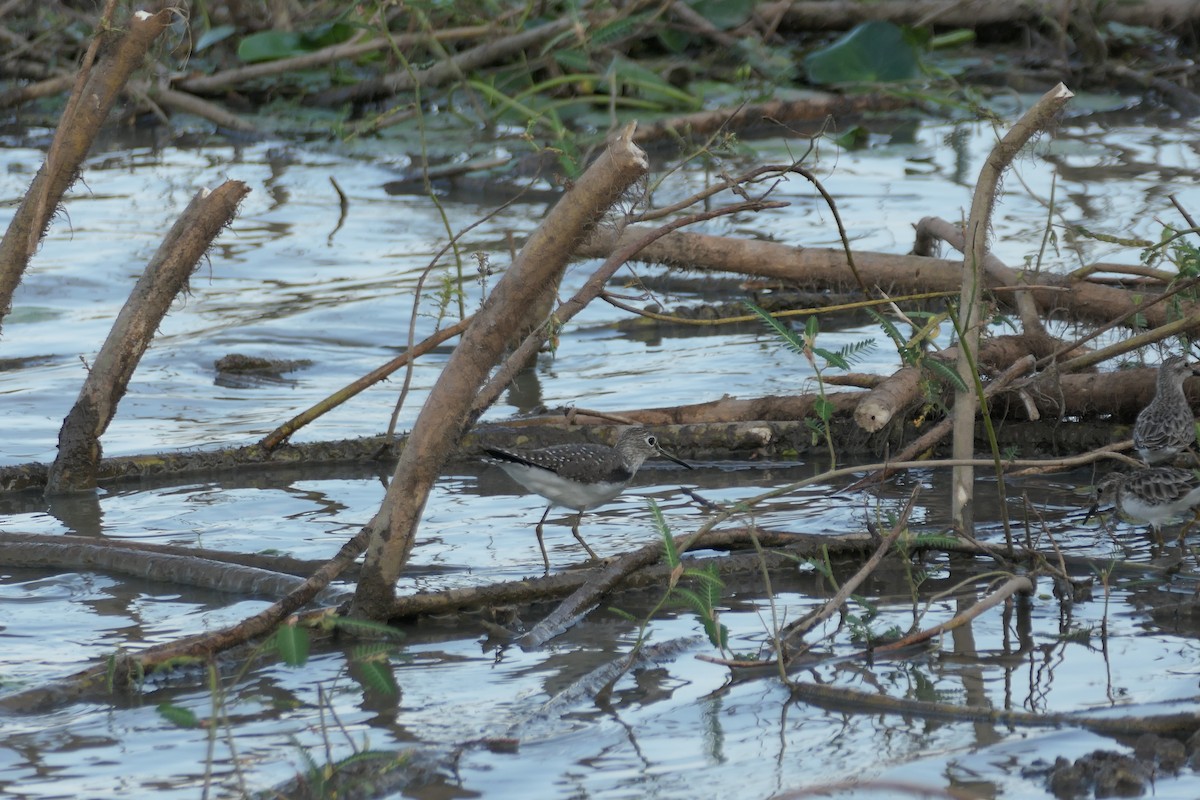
[670, 551]
[376, 676]
[619, 29]
[946, 373]
[789, 336]
[717, 633]
[623, 614]
[888, 326]
[364, 627]
[709, 582]
[371, 651]
[931, 541]
[692, 600]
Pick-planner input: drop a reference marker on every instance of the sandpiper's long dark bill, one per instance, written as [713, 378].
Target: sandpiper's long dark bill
[1166, 427]
[580, 476]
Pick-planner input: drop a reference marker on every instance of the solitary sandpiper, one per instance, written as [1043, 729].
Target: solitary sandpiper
[1166, 427]
[580, 476]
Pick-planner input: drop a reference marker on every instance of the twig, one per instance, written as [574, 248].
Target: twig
[284, 431]
[1014, 585]
[802, 626]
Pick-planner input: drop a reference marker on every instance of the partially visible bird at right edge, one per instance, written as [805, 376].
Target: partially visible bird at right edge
[1166, 427]
[1153, 495]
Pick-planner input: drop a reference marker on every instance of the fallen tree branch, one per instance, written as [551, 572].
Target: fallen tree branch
[844, 699]
[281, 434]
[97, 86]
[126, 669]
[76, 467]
[827, 268]
[447, 412]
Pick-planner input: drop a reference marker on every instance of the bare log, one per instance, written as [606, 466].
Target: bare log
[908, 274]
[118, 53]
[970, 312]
[125, 671]
[165, 276]
[190, 104]
[182, 569]
[931, 229]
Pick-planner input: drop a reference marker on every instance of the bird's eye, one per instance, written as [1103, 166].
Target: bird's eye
[651, 440]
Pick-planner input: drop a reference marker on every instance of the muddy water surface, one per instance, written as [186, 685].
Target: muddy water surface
[286, 282]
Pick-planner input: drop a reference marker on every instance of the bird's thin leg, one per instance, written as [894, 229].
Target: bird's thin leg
[541, 543]
[575, 530]
[1195, 518]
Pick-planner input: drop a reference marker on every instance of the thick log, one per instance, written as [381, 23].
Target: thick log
[896, 274]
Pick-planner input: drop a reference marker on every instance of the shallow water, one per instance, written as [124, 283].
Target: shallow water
[283, 283]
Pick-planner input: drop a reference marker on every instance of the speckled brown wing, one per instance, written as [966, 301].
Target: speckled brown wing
[1161, 485]
[1164, 428]
[586, 463]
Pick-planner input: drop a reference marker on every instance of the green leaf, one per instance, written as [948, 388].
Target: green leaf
[272, 45]
[326, 35]
[292, 643]
[724, 14]
[854, 138]
[954, 38]
[623, 614]
[622, 28]
[785, 332]
[717, 633]
[694, 601]
[836, 359]
[946, 373]
[269, 46]
[650, 85]
[674, 41]
[375, 676]
[823, 409]
[709, 583]
[366, 627]
[871, 52]
[212, 36]
[670, 551]
[178, 716]
[573, 60]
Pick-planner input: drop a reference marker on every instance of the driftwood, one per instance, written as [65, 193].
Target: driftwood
[1082, 300]
[75, 468]
[970, 315]
[111, 58]
[127, 668]
[181, 569]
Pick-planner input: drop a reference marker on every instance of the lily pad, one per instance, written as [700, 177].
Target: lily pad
[873, 52]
